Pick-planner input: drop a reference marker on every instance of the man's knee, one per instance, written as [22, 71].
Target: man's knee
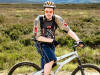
[50, 63]
[48, 67]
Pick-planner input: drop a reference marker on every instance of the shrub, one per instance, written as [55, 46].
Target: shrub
[66, 41]
[26, 29]
[26, 42]
[18, 15]
[2, 19]
[11, 45]
[2, 59]
[90, 19]
[15, 31]
[89, 55]
[14, 35]
[7, 57]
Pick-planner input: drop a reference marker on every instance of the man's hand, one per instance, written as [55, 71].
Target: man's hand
[55, 42]
[44, 39]
[80, 43]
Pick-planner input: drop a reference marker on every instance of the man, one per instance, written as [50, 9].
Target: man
[44, 31]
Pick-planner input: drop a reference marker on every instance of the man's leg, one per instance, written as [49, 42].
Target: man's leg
[48, 67]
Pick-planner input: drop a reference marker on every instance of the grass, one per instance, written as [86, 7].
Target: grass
[2, 19]
[16, 26]
[69, 67]
[23, 70]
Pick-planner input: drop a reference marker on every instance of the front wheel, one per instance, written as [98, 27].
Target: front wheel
[88, 69]
[23, 68]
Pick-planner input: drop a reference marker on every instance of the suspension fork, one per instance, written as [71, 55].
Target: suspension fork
[79, 62]
[80, 66]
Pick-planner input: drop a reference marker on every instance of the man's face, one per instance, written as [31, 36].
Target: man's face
[49, 13]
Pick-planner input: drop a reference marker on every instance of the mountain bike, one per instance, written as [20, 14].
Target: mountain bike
[82, 69]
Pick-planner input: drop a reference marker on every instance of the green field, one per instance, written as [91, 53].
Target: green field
[16, 26]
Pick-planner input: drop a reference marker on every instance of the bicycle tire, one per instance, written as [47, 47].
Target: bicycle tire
[86, 66]
[23, 64]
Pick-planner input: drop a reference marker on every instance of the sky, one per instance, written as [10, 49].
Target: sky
[56, 1]
[80, 1]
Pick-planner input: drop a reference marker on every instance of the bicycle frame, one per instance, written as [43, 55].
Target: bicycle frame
[70, 57]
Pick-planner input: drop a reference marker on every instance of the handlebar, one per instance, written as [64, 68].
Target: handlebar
[74, 46]
[77, 45]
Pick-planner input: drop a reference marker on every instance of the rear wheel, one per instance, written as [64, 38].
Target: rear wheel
[24, 68]
[88, 70]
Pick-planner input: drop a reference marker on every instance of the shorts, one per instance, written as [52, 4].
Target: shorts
[47, 53]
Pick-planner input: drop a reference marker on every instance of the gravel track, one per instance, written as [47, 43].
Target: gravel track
[60, 73]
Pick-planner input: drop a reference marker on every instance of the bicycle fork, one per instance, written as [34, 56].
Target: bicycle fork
[80, 66]
[79, 62]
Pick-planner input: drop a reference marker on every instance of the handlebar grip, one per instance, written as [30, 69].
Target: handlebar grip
[33, 39]
[78, 44]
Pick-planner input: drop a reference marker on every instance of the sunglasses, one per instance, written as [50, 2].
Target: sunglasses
[49, 12]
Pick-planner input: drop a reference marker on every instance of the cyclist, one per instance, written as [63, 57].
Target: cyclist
[44, 31]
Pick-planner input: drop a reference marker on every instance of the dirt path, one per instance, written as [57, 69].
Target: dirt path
[60, 73]
[2, 73]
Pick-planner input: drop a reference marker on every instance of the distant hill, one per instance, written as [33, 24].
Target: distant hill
[56, 1]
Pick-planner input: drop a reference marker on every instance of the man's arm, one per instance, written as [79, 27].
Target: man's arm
[73, 35]
[44, 39]
[64, 26]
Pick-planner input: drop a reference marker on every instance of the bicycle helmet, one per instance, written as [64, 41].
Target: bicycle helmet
[49, 4]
